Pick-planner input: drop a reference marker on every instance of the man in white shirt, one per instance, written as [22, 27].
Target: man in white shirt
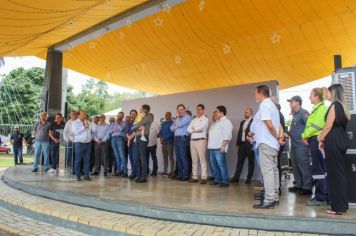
[152, 146]
[218, 143]
[266, 125]
[198, 130]
[82, 136]
[68, 138]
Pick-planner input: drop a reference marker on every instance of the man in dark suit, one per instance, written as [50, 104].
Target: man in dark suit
[244, 148]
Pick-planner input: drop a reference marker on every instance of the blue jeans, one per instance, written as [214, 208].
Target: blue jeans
[118, 146]
[141, 156]
[180, 146]
[133, 162]
[54, 150]
[82, 151]
[18, 154]
[220, 171]
[41, 147]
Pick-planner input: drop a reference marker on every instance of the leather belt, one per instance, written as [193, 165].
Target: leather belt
[197, 139]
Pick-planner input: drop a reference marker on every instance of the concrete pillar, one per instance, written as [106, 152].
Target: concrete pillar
[52, 86]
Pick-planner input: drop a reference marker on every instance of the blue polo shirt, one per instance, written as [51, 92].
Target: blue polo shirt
[165, 133]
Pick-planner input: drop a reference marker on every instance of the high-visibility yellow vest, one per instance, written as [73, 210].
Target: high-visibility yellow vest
[316, 121]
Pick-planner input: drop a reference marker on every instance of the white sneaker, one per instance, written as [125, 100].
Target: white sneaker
[51, 171]
[143, 138]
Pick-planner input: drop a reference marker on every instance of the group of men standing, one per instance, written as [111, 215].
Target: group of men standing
[134, 139]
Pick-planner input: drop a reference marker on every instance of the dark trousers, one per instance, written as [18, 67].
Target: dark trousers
[318, 171]
[133, 162]
[245, 151]
[152, 152]
[110, 157]
[18, 154]
[54, 154]
[101, 156]
[190, 161]
[279, 156]
[141, 156]
[82, 152]
[334, 158]
[180, 146]
[92, 155]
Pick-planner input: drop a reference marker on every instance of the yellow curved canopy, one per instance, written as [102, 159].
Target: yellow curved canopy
[199, 44]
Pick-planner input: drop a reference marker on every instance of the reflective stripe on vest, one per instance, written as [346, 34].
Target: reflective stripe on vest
[316, 127]
[318, 176]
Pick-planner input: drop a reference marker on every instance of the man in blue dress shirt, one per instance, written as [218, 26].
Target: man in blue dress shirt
[179, 128]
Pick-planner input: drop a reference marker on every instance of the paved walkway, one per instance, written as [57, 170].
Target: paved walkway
[15, 224]
[11, 222]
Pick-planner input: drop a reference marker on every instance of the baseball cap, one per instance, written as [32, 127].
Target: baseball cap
[295, 98]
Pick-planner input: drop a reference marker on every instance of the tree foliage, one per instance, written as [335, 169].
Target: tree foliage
[21, 89]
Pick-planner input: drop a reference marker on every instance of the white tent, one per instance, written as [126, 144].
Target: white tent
[112, 113]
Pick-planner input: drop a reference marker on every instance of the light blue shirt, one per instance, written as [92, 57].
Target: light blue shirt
[118, 129]
[180, 125]
[80, 133]
[266, 111]
[101, 132]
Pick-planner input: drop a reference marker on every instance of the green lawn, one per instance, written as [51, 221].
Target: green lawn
[7, 160]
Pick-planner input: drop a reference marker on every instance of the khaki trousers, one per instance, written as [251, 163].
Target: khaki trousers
[198, 152]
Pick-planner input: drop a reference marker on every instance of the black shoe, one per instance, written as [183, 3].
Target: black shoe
[132, 177]
[223, 185]
[124, 175]
[260, 197]
[193, 181]
[178, 178]
[260, 194]
[47, 169]
[78, 178]
[94, 173]
[105, 173]
[34, 170]
[248, 181]
[213, 183]
[276, 203]
[110, 171]
[264, 205]
[185, 179]
[154, 174]
[140, 181]
[305, 192]
[234, 180]
[117, 174]
[294, 189]
[87, 178]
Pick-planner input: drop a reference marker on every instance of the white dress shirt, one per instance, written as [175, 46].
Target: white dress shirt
[266, 111]
[244, 127]
[198, 127]
[81, 134]
[153, 135]
[67, 133]
[220, 131]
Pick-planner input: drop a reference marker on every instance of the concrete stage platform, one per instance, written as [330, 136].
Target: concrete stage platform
[163, 198]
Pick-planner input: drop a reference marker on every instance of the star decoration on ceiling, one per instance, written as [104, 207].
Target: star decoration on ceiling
[166, 8]
[128, 23]
[71, 24]
[178, 59]
[109, 5]
[92, 44]
[158, 21]
[276, 38]
[226, 48]
[201, 5]
[122, 35]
